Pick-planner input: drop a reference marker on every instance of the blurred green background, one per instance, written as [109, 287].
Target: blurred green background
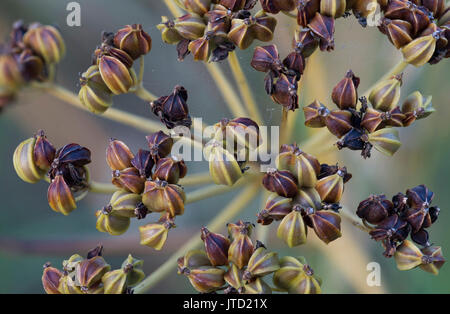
[32, 234]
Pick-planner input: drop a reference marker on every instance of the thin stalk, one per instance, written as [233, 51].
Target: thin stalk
[226, 214]
[244, 88]
[345, 213]
[174, 7]
[223, 85]
[283, 125]
[213, 190]
[144, 94]
[117, 115]
[102, 188]
[196, 179]
[395, 70]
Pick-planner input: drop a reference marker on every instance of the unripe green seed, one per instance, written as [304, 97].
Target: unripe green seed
[420, 50]
[385, 140]
[386, 94]
[46, 41]
[292, 229]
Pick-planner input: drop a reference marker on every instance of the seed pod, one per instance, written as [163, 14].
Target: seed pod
[419, 104]
[109, 50]
[323, 27]
[115, 74]
[216, 247]
[170, 169]
[275, 6]
[160, 144]
[285, 92]
[385, 140]
[143, 162]
[419, 51]
[303, 166]
[24, 163]
[124, 204]
[445, 18]
[169, 34]
[190, 26]
[74, 154]
[386, 94]
[305, 42]
[375, 208]
[261, 263]
[192, 259]
[31, 66]
[199, 7]
[326, 224]
[115, 281]
[155, 234]
[408, 256]
[307, 9]
[44, 152]
[419, 200]
[200, 49]
[244, 31]
[223, 167]
[275, 209]
[374, 119]
[90, 272]
[118, 155]
[363, 8]
[233, 277]
[282, 182]
[233, 5]
[240, 250]
[68, 286]
[333, 8]
[432, 260]
[257, 286]
[308, 200]
[173, 109]
[206, 279]
[133, 40]
[46, 41]
[292, 229]
[10, 75]
[60, 197]
[108, 221]
[128, 179]
[94, 94]
[50, 279]
[135, 273]
[345, 94]
[243, 131]
[161, 196]
[399, 32]
[296, 276]
[331, 187]
[338, 122]
[70, 264]
[315, 114]
[238, 228]
[295, 62]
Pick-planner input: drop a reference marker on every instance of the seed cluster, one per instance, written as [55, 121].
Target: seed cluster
[236, 265]
[92, 275]
[213, 28]
[111, 72]
[304, 194]
[36, 158]
[28, 56]
[147, 182]
[393, 221]
[366, 127]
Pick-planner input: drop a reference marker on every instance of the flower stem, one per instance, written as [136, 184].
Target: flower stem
[345, 213]
[102, 188]
[244, 87]
[140, 91]
[283, 125]
[196, 179]
[227, 91]
[137, 122]
[235, 206]
[213, 190]
[395, 70]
